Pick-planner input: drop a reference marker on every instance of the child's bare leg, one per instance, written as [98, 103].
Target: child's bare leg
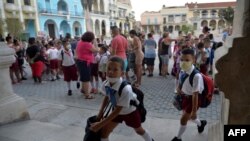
[145, 135]
[106, 130]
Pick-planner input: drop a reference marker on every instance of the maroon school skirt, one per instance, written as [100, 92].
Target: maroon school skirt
[70, 73]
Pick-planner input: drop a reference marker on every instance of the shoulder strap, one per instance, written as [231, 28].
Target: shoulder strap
[62, 54]
[123, 85]
[191, 78]
[183, 77]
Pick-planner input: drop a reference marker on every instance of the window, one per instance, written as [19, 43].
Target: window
[10, 1]
[164, 20]
[195, 26]
[156, 21]
[27, 2]
[183, 18]
[75, 7]
[170, 18]
[148, 21]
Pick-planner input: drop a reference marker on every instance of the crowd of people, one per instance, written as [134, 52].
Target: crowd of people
[88, 60]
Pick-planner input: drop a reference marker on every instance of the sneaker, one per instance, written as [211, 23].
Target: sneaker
[203, 124]
[23, 78]
[176, 139]
[69, 92]
[78, 85]
[143, 73]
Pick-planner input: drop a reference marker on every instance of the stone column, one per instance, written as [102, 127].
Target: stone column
[12, 107]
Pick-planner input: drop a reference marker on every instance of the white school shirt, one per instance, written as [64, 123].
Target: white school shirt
[198, 84]
[126, 96]
[68, 58]
[103, 62]
[52, 53]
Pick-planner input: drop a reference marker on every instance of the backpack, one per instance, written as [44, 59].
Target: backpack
[140, 97]
[205, 97]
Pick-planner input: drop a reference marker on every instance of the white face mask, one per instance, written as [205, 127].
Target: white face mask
[113, 80]
[186, 65]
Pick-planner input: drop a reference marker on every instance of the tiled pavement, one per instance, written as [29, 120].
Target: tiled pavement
[158, 97]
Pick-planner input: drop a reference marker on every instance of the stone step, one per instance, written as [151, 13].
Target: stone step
[32, 130]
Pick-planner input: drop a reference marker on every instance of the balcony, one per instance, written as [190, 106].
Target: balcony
[28, 9]
[100, 12]
[112, 6]
[10, 7]
[60, 13]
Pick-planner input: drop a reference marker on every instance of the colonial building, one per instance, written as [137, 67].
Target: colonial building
[151, 21]
[126, 17]
[19, 11]
[207, 14]
[58, 17]
[100, 17]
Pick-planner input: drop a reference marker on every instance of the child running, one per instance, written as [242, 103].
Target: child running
[68, 65]
[123, 111]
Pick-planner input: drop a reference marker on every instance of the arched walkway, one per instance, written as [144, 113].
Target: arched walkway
[97, 28]
[77, 28]
[64, 28]
[204, 23]
[221, 24]
[51, 28]
[103, 28]
[177, 28]
[212, 24]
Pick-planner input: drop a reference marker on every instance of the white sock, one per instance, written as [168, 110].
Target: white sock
[96, 84]
[107, 139]
[69, 85]
[146, 136]
[197, 121]
[92, 84]
[181, 131]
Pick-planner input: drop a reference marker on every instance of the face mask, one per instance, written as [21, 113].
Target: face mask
[186, 65]
[113, 80]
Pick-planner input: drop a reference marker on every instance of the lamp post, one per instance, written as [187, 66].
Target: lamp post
[87, 5]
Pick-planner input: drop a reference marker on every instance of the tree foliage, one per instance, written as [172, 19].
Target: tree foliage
[187, 28]
[227, 15]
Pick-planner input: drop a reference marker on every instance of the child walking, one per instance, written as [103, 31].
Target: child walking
[68, 65]
[123, 111]
[189, 93]
[53, 60]
[103, 63]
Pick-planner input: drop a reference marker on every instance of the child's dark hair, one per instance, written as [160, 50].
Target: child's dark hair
[188, 51]
[118, 60]
[200, 45]
[104, 48]
[51, 43]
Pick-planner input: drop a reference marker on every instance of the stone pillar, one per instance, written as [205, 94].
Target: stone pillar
[233, 67]
[12, 107]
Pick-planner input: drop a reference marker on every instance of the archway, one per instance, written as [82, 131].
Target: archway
[77, 28]
[64, 28]
[212, 24]
[170, 28]
[97, 28]
[221, 24]
[51, 28]
[177, 28]
[204, 23]
[62, 7]
[103, 28]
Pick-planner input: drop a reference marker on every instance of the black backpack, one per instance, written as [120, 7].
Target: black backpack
[140, 96]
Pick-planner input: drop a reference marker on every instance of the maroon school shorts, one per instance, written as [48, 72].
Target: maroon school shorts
[53, 64]
[14, 66]
[70, 73]
[187, 103]
[94, 69]
[132, 120]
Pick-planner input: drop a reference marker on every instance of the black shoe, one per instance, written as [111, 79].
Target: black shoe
[150, 75]
[23, 78]
[144, 74]
[52, 80]
[203, 124]
[69, 92]
[168, 74]
[176, 139]
[153, 140]
[78, 85]
[58, 77]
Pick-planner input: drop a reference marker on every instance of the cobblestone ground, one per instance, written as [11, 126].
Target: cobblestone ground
[158, 91]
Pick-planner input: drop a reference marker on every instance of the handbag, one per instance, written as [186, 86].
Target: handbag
[91, 135]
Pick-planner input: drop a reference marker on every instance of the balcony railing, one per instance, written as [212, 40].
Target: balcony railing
[112, 6]
[56, 12]
[100, 12]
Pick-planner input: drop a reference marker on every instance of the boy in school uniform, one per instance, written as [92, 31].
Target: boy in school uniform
[189, 93]
[68, 65]
[123, 111]
[103, 63]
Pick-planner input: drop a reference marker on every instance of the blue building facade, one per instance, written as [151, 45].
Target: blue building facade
[58, 17]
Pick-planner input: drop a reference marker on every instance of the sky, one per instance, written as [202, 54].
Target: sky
[140, 6]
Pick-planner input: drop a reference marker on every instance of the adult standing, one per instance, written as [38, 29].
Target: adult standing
[35, 60]
[137, 48]
[150, 54]
[85, 56]
[119, 45]
[159, 52]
